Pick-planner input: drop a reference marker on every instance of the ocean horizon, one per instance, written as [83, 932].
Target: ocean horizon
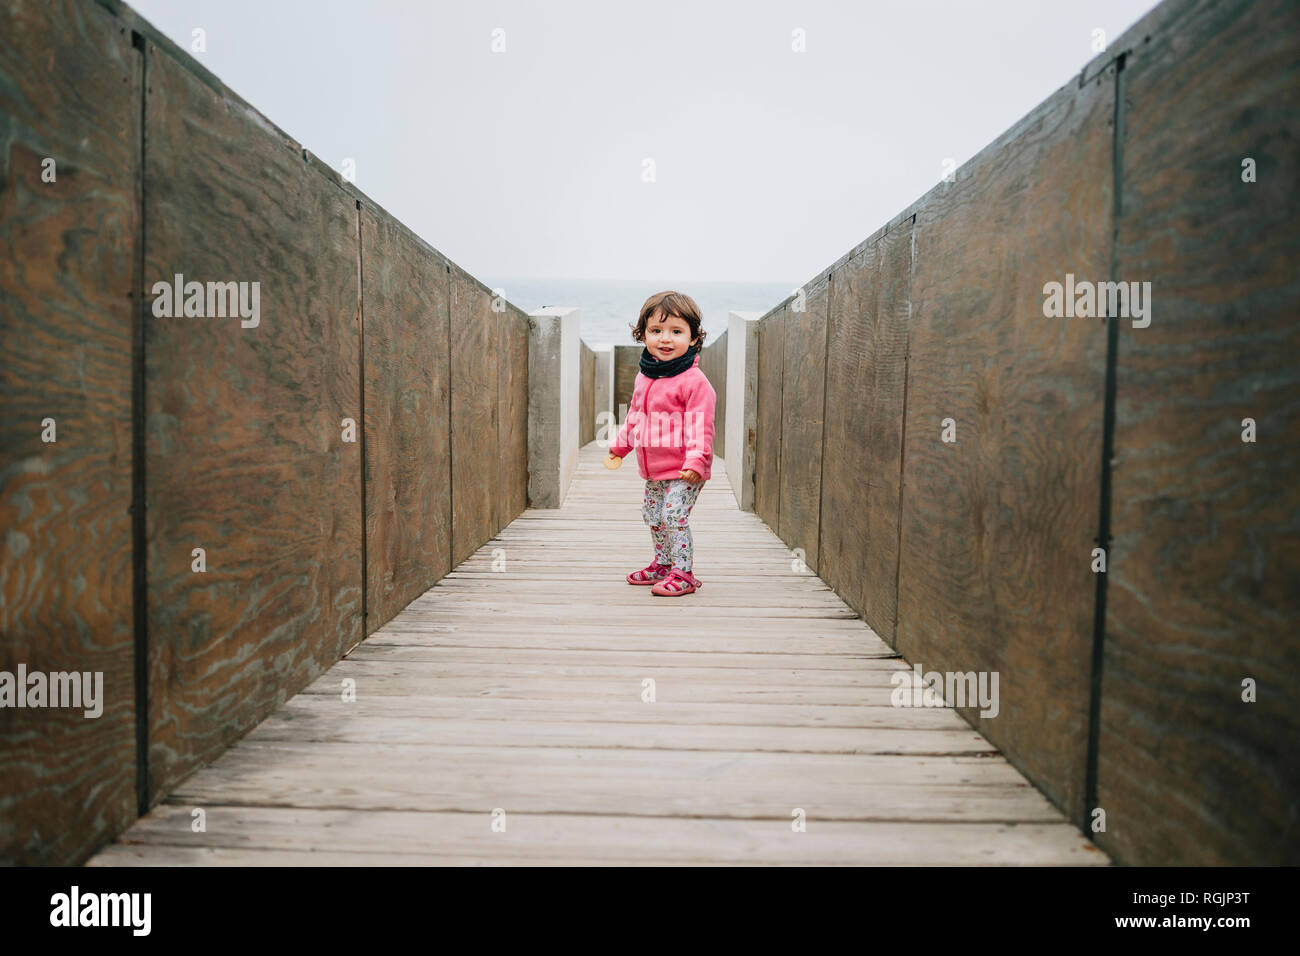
[609, 307]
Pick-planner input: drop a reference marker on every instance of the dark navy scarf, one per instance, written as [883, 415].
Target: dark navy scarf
[654, 368]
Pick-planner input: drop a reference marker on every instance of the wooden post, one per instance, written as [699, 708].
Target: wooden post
[553, 385]
[742, 404]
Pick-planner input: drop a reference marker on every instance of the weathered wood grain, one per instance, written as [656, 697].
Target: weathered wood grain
[314, 710]
[644, 735]
[586, 395]
[866, 356]
[246, 450]
[1205, 554]
[596, 780]
[803, 394]
[275, 835]
[70, 92]
[512, 422]
[456, 714]
[266, 837]
[475, 410]
[998, 526]
[627, 363]
[713, 363]
[767, 427]
[405, 306]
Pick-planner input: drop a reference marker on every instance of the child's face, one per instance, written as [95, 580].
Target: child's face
[667, 336]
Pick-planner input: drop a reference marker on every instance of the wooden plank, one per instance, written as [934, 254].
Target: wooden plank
[874, 683]
[627, 363]
[70, 92]
[586, 395]
[739, 599]
[866, 353]
[247, 452]
[310, 709]
[773, 640]
[719, 608]
[264, 835]
[346, 728]
[713, 363]
[746, 785]
[512, 398]
[546, 656]
[760, 637]
[396, 772]
[1205, 556]
[998, 526]
[629, 687]
[475, 401]
[803, 391]
[767, 429]
[405, 301]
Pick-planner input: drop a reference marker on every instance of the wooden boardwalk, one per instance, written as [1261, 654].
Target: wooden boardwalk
[517, 683]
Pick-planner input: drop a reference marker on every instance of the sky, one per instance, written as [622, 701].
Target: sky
[609, 140]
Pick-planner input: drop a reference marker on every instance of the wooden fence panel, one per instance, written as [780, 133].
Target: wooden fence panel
[866, 354]
[802, 407]
[713, 362]
[512, 399]
[251, 456]
[475, 455]
[586, 395]
[627, 364]
[767, 428]
[1205, 554]
[998, 525]
[405, 300]
[70, 92]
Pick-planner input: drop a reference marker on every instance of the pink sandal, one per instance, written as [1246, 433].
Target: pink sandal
[677, 582]
[650, 574]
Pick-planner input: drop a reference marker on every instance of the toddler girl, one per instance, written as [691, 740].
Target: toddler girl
[670, 421]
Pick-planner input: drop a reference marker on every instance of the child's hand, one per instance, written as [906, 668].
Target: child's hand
[689, 476]
[612, 461]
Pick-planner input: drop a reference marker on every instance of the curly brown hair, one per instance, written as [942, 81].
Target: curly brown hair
[677, 304]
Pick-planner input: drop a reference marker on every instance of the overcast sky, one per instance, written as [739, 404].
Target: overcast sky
[768, 163]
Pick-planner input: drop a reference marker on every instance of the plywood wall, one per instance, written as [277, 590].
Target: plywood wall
[300, 479]
[70, 87]
[1205, 554]
[406, 305]
[972, 458]
[713, 363]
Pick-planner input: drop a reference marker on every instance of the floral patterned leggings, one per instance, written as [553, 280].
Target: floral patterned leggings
[666, 509]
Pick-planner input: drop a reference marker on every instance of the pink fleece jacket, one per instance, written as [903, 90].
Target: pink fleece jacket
[670, 422]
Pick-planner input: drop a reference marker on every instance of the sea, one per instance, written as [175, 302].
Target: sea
[608, 308]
